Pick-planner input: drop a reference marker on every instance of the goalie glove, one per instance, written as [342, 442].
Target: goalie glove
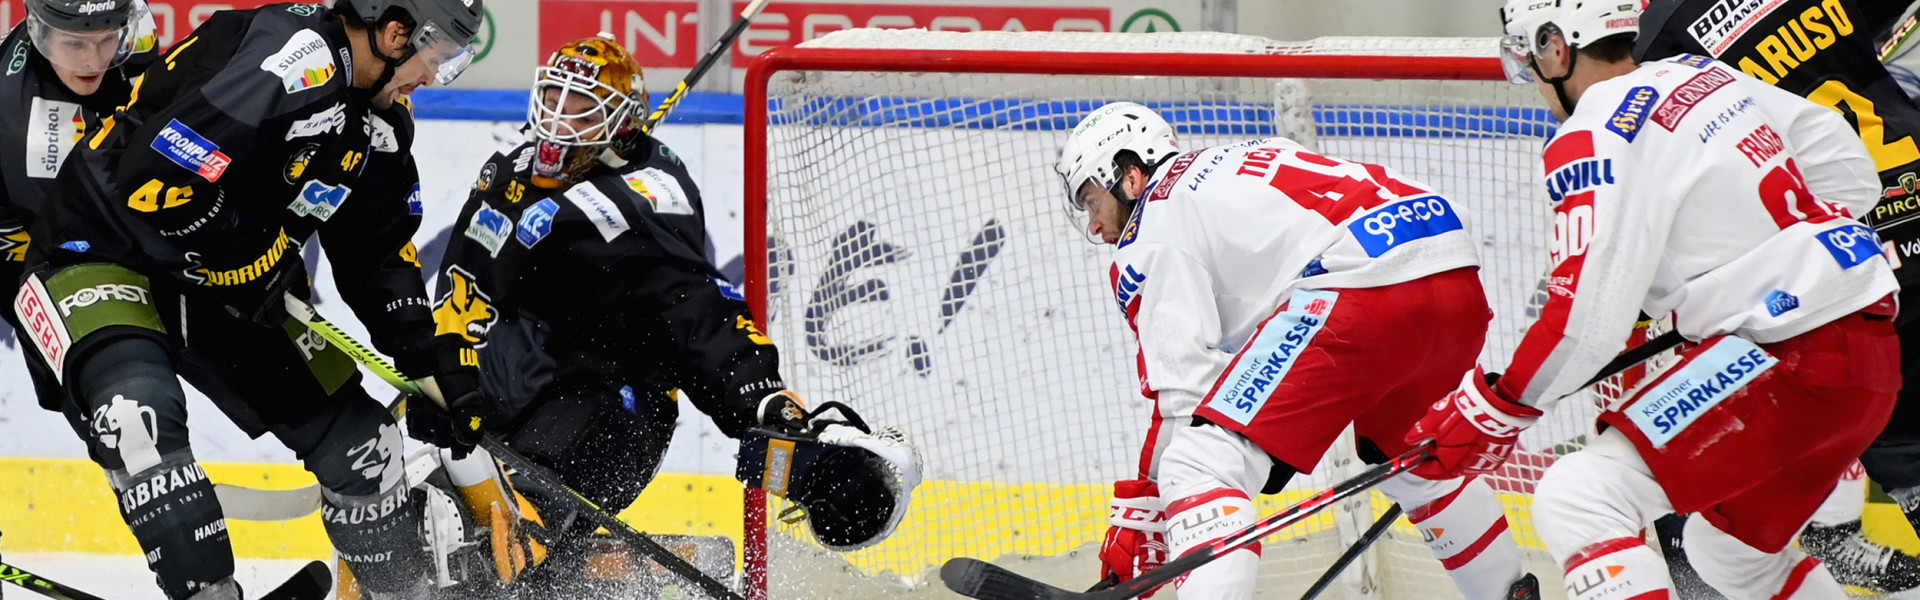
[1136, 533]
[854, 483]
[1473, 429]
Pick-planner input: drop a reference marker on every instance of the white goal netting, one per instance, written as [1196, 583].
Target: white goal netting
[920, 267]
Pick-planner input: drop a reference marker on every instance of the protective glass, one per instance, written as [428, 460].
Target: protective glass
[448, 58]
[1516, 59]
[91, 52]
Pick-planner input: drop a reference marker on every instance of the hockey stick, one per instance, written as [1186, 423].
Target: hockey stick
[975, 578]
[1366, 541]
[533, 472]
[51, 589]
[706, 62]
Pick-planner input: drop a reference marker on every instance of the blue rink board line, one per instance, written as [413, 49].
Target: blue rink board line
[1350, 120]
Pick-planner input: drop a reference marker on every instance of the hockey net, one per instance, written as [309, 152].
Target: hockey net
[920, 267]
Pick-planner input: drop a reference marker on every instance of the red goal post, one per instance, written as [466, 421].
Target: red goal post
[887, 152]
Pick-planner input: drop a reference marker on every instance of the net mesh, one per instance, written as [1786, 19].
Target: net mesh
[921, 268]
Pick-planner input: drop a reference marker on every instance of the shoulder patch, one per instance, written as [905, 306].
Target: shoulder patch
[52, 128]
[599, 209]
[192, 152]
[1682, 99]
[1133, 222]
[1163, 189]
[1632, 113]
[18, 61]
[491, 228]
[320, 200]
[661, 191]
[536, 222]
[486, 177]
[1694, 60]
[303, 63]
[414, 206]
[728, 290]
[332, 120]
[384, 138]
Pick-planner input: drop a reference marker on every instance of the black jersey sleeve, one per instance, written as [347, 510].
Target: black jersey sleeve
[370, 245]
[206, 124]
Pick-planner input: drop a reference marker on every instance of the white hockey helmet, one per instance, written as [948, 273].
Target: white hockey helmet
[1101, 136]
[1530, 23]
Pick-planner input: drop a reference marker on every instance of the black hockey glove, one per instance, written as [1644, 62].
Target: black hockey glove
[455, 368]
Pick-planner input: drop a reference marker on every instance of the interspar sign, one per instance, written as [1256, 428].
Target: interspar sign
[788, 23]
[665, 33]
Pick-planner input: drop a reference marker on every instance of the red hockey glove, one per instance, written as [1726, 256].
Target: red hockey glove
[1473, 429]
[1136, 539]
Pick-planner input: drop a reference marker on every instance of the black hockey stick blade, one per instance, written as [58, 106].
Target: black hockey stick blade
[1353, 552]
[976, 578]
[41, 585]
[312, 582]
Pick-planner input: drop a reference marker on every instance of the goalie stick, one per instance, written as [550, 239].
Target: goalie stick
[975, 578]
[706, 62]
[540, 476]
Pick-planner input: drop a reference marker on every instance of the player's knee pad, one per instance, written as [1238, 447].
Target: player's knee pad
[854, 482]
[1622, 568]
[1465, 525]
[1210, 515]
[1594, 495]
[364, 506]
[1742, 572]
[1206, 456]
[132, 407]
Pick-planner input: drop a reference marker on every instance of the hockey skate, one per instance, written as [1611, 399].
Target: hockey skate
[1857, 561]
[1525, 588]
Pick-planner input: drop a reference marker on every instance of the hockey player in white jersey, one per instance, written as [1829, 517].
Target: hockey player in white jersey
[1685, 188]
[1272, 290]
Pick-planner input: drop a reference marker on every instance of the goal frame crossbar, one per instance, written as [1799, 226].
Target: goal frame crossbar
[756, 161]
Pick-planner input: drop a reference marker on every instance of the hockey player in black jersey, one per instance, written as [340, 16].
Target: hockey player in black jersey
[177, 238]
[579, 268]
[64, 70]
[1826, 50]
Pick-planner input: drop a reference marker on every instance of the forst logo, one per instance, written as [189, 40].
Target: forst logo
[86, 297]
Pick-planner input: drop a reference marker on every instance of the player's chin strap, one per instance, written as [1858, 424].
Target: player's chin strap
[1559, 83]
[392, 64]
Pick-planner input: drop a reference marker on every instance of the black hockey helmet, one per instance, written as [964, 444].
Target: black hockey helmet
[444, 32]
[121, 26]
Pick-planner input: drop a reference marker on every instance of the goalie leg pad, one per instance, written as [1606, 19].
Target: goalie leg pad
[854, 484]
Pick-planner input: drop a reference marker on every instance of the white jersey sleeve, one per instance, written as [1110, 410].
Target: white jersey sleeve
[1836, 164]
[1677, 191]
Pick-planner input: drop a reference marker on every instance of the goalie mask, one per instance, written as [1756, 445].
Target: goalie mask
[853, 483]
[589, 99]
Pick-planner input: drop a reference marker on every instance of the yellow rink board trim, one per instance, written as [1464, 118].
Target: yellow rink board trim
[65, 505]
